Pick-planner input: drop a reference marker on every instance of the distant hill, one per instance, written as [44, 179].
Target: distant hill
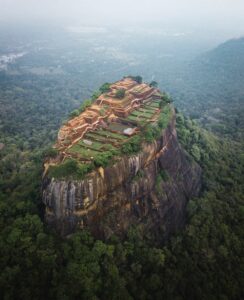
[228, 56]
[223, 65]
[211, 88]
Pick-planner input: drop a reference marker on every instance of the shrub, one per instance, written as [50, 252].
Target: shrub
[68, 168]
[84, 169]
[163, 122]
[164, 117]
[95, 95]
[151, 133]
[153, 84]
[103, 159]
[105, 88]
[166, 98]
[161, 104]
[84, 105]
[74, 113]
[148, 134]
[132, 146]
[137, 78]
[120, 94]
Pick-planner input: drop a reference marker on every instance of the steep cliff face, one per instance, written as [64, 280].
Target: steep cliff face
[150, 188]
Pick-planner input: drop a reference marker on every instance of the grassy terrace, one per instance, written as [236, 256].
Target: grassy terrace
[117, 127]
[110, 134]
[154, 104]
[149, 108]
[142, 113]
[137, 118]
[138, 121]
[100, 147]
[83, 152]
[99, 141]
[96, 145]
[99, 138]
[145, 110]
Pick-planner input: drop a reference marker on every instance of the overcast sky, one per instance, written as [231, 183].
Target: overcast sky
[222, 14]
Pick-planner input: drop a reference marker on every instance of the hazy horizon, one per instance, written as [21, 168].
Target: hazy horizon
[218, 15]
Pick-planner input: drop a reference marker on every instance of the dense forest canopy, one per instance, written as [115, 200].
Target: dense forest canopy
[37, 93]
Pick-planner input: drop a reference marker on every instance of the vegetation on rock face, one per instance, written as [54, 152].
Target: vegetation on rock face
[165, 117]
[70, 168]
[132, 146]
[103, 159]
[150, 133]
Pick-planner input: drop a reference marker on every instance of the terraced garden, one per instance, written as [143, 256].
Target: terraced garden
[117, 127]
[143, 115]
[153, 104]
[104, 140]
[95, 143]
[99, 147]
[109, 134]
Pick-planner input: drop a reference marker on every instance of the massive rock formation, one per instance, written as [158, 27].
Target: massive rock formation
[150, 188]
